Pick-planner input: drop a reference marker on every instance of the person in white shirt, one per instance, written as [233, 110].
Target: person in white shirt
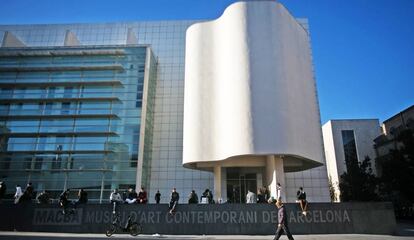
[250, 197]
[116, 197]
[18, 194]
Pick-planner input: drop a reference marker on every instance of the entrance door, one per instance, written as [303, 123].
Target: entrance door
[239, 181]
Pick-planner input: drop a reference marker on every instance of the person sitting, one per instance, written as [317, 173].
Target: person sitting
[132, 196]
[64, 202]
[43, 198]
[301, 196]
[261, 196]
[18, 194]
[207, 197]
[3, 189]
[173, 201]
[27, 194]
[193, 198]
[250, 197]
[115, 197]
[142, 196]
[82, 197]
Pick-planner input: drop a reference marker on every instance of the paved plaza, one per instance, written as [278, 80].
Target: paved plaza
[71, 236]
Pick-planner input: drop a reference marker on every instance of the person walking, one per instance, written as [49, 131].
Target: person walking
[282, 226]
[173, 201]
[157, 197]
[301, 196]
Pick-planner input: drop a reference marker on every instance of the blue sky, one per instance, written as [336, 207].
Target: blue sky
[363, 49]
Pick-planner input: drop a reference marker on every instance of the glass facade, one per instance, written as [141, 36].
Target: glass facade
[348, 140]
[70, 117]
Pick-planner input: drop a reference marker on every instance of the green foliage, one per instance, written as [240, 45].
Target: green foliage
[359, 182]
[397, 180]
[332, 191]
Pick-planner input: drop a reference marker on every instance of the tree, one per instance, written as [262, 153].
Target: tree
[359, 182]
[397, 180]
[332, 189]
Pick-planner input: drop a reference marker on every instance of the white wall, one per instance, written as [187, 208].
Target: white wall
[249, 87]
[365, 131]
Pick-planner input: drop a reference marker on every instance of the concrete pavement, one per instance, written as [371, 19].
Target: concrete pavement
[71, 236]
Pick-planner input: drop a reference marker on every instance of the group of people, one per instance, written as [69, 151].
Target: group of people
[23, 196]
[206, 197]
[263, 195]
[130, 197]
[141, 198]
[65, 203]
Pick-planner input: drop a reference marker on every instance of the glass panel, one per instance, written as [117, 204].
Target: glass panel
[351, 157]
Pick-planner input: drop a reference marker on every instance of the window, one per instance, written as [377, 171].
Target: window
[351, 157]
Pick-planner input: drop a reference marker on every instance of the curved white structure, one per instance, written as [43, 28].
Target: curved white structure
[250, 104]
[250, 91]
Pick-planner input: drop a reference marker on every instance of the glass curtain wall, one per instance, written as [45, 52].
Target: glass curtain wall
[350, 150]
[70, 117]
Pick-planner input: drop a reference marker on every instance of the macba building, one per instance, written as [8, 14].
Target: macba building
[228, 104]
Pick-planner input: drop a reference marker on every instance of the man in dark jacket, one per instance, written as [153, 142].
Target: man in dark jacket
[64, 202]
[157, 197]
[282, 226]
[193, 198]
[174, 200]
[82, 197]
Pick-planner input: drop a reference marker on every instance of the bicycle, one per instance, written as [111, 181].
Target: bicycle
[131, 227]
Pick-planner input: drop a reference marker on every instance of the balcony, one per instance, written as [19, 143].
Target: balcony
[46, 100]
[58, 134]
[61, 53]
[56, 68]
[55, 116]
[116, 83]
[57, 152]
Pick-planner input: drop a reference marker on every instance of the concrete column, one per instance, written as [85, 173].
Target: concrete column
[217, 182]
[275, 174]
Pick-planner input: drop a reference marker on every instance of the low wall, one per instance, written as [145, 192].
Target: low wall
[252, 219]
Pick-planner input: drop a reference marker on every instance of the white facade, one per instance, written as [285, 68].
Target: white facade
[250, 94]
[364, 133]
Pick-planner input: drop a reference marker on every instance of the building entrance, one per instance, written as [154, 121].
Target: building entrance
[240, 180]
